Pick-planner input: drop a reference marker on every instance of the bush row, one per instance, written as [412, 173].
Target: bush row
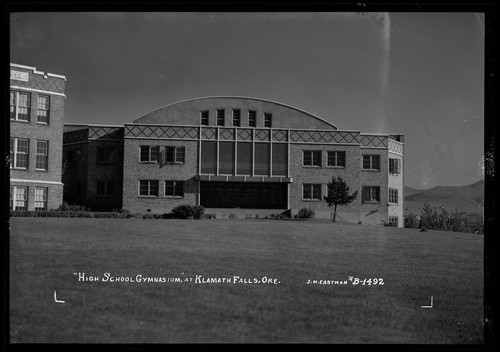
[432, 219]
[67, 214]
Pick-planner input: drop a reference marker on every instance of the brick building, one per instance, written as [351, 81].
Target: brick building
[233, 155]
[36, 132]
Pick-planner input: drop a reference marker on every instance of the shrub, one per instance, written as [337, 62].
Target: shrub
[305, 213]
[411, 221]
[208, 216]
[186, 211]
[73, 207]
[276, 217]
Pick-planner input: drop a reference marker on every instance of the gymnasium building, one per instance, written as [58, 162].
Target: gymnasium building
[36, 133]
[236, 156]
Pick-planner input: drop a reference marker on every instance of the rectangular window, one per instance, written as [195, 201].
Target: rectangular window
[105, 189]
[220, 117]
[335, 159]
[40, 198]
[393, 196]
[149, 153]
[268, 120]
[42, 155]
[280, 159]
[252, 118]
[208, 157]
[262, 159]
[226, 158]
[311, 191]
[42, 111]
[204, 118]
[312, 158]
[394, 166]
[174, 154]
[11, 199]
[393, 221]
[148, 188]
[20, 106]
[236, 117]
[19, 198]
[371, 162]
[371, 194]
[107, 154]
[174, 188]
[245, 156]
[19, 153]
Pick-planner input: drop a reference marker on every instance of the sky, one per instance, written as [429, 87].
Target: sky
[417, 74]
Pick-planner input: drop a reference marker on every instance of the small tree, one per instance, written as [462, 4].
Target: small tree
[338, 194]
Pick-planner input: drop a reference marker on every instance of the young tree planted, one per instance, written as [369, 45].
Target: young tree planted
[338, 194]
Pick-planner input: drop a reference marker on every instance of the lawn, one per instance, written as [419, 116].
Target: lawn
[46, 255]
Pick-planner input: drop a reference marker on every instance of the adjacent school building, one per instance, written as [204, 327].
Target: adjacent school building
[36, 133]
[236, 156]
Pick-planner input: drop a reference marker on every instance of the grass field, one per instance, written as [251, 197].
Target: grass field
[46, 253]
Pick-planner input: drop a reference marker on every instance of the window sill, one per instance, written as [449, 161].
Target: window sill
[19, 168]
[311, 200]
[149, 197]
[370, 202]
[371, 170]
[22, 121]
[335, 167]
[174, 197]
[42, 123]
[311, 166]
[41, 170]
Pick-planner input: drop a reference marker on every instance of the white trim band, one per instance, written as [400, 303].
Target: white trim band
[38, 91]
[36, 181]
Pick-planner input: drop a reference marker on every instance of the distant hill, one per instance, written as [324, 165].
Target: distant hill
[466, 199]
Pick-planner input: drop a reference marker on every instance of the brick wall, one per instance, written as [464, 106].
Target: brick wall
[75, 173]
[135, 171]
[374, 214]
[396, 182]
[32, 82]
[308, 174]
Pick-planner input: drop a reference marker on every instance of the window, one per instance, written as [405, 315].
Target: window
[220, 117]
[226, 158]
[174, 188]
[106, 154]
[19, 106]
[262, 159]
[268, 120]
[393, 196]
[204, 118]
[280, 159]
[208, 157]
[245, 157]
[312, 158]
[149, 153]
[19, 198]
[42, 155]
[393, 221]
[174, 154]
[236, 117]
[335, 159]
[19, 153]
[371, 194]
[42, 111]
[311, 191]
[105, 189]
[394, 166]
[371, 162]
[40, 198]
[252, 118]
[148, 188]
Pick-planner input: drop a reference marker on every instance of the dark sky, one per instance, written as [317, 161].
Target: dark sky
[419, 74]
